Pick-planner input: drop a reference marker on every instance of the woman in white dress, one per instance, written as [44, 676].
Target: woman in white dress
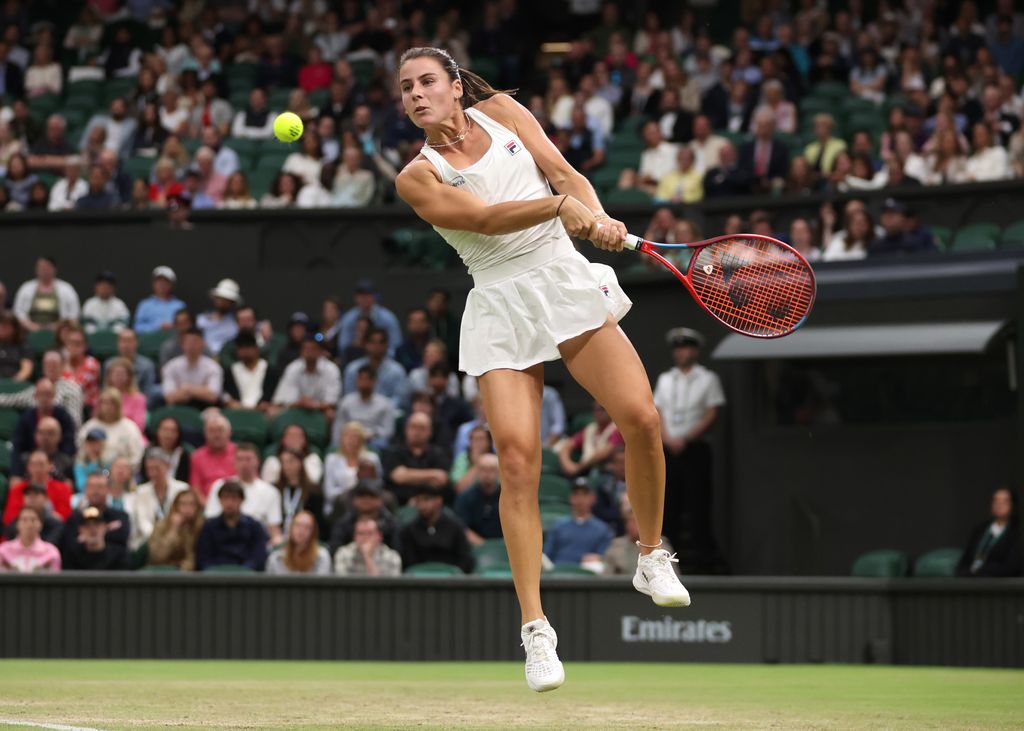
[483, 180]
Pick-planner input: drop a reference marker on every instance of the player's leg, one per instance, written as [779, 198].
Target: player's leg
[605, 363]
[511, 400]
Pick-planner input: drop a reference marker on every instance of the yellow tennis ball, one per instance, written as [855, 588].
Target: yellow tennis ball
[288, 127]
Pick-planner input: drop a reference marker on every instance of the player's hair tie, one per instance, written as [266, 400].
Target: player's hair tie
[560, 204]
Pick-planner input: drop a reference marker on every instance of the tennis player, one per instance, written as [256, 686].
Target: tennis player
[483, 181]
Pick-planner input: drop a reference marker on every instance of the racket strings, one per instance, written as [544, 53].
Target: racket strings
[753, 285]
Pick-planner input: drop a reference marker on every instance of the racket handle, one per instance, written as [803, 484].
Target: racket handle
[631, 242]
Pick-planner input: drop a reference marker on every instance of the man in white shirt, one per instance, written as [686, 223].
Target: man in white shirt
[689, 397]
[705, 144]
[153, 498]
[193, 378]
[656, 161]
[119, 125]
[262, 500]
[66, 191]
[105, 311]
[311, 381]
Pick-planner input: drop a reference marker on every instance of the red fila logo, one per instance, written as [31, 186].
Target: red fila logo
[512, 146]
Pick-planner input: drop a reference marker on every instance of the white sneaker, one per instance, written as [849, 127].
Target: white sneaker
[543, 668]
[656, 578]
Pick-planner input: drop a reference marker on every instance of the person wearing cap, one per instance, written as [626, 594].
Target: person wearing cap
[367, 554]
[193, 378]
[366, 305]
[90, 549]
[37, 469]
[219, 325]
[295, 333]
[35, 498]
[156, 312]
[262, 500]
[477, 505]
[689, 398]
[90, 456]
[97, 496]
[900, 235]
[312, 382]
[434, 536]
[580, 538]
[153, 498]
[104, 310]
[42, 302]
[26, 551]
[231, 538]
[366, 500]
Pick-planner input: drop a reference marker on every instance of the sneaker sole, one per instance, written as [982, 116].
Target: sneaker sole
[545, 687]
[662, 600]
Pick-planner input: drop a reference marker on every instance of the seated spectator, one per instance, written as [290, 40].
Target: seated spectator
[317, 194]
[65, 192]
[367, 554]
[853, 242]
[435, 352]
[237, 195]
[168, 438]
[262, 500]
[68, 393]
[91, 550]
[466, 465]
[315, 74]
[801, 238]
[595, 442]
[417, 337]
[97, 495]
[354, 185]
[38, 469]
[312, 382]
[898, 238]
[105, 311]
[256, 121]
[230, 537]
[24, 438]
[802, 180]
[193, 379]
[989, 161]
[9, 145]
[38, 197]
[610, 489]
[349, 464]
[174, 537]
[211, 110]
[15, 354]
[120, 56]
[366, 305]
[121, 481]
[44, 76]
[294, 438]
[415, 462]
[119, 126]
[298, 491]
[477, 506]
[993, 548]
[182, 321]
[622, 554]
[283, 192]
[821, 153]
[391, 378]
[214, 460]
[153, 498]
[374, 412]
[210, 184]
[434, 536]
[656, 161]
[449, 411]
[301, 552]
[579, 538]
[685, 184]
[34, 497]
[946, 163]
[583, 143]
[48, 438]
[868, 78]
[248, 382]
[27, 552]
[90, 457]
[165, 183]
[42, 302]
[98, 197]
[19, 181]
[149, 133]
[124, 438]
[675, 123]
[308, 162]
[218, 325]
[764, 158]
[50, 152]
[706, 145]
[157, 311]
[773, 100]
[143, 370]
[728, 178]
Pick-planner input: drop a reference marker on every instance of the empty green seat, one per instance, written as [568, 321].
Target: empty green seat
[568, 570]
[149, 344]
[433, 568]
[976, 237]
[832, 89]
[40, 340]
[881, 564]
[247, 426]
[8, 385]
[551, 513]
[1013, 235]
[407, 514]
[312, 422]
[940, 562]
[491, 554]
[554, 489]
[549, 461]
[102, 344]
[8, 423]
[943, 236]
[606, 177]
[630, 127]
[5, 458]
[622, 157]
[189, 419]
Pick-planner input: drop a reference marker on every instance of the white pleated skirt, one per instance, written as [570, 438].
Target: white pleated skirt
[519, 311]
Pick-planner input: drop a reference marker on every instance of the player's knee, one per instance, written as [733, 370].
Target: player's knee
[641, 423]
[518, 468]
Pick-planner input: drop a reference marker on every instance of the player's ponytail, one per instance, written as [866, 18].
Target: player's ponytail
[474, 87]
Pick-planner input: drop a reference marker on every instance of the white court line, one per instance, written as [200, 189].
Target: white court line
[54, 726]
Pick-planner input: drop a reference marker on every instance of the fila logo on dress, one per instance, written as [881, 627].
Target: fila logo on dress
[512, 146]
[604, 288]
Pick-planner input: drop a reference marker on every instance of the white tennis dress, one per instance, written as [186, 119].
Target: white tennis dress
[532, 289]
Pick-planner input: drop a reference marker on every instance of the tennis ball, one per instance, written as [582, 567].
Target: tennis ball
[288, 127]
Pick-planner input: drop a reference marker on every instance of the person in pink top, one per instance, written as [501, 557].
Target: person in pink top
[28, 552]
[216, 459]
[121, 376]
[82, 368]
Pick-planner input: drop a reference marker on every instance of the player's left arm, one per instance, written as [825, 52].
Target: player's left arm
[562, 176]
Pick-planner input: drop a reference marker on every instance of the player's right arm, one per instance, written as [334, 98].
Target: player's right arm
[446, 206]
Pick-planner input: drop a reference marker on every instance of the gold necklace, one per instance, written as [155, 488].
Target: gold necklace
[458, 138]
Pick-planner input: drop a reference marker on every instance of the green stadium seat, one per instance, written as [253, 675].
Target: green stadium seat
[40, 340]
[941, 562]
[313, 423]
[260, 182]
[320, 97]
[5, 458]
[831, 89]
[43, 105]
[551, 513]
[149, 343]
[606, 177]
[549, 462]
[3, 492]
[491, 554]
[10, 386]
[241, 77]
[245, 146]
[115, 88]
[271, 162]
[278, 99]
[229, 569]
[8, 423]
[627, 197]
[630, 127]
[976, 237]
[407, 514]
[814, 105]
[160, 569]
[433, 568]
[496, 573]
[792, 142]
[622, 157]
[943, 236]
[871, 122]
[189, 419]
[554, 489]
[580, 420]
[102, 344]
[851, 104]
[568, 570]
[486, 67]
[139, 167]
[247, 426]
[273, 347]
[1013, 236]
[881, 564]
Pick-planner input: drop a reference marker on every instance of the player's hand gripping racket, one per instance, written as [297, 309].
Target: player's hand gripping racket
[754, 285]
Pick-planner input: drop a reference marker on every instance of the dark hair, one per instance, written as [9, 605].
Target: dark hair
[305, 484]
[247, 447]
[275, 187]
[194, 331]
[232, 486]
[422, 310]
[376, 331]
[474, 87]
[7, 317]
[443, 292]
[367, 370]
[177, 426]
[245, 339]
[439, 369]
[187, 313]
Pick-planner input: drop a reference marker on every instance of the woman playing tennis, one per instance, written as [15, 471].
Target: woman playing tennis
[483, 181]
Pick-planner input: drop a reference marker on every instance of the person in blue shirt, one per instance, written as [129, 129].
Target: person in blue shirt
[477, 505]
[366, 306]
[156, 312]
[580, 537]
[232, 538]
[392, 380]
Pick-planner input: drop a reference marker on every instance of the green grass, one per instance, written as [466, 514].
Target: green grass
[115, 695]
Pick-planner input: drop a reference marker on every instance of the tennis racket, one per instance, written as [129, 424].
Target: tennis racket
[754, 285]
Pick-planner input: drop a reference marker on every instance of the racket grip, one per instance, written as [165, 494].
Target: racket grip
[631, 242]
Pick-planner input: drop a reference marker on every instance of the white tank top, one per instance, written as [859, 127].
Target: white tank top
[506, 172]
